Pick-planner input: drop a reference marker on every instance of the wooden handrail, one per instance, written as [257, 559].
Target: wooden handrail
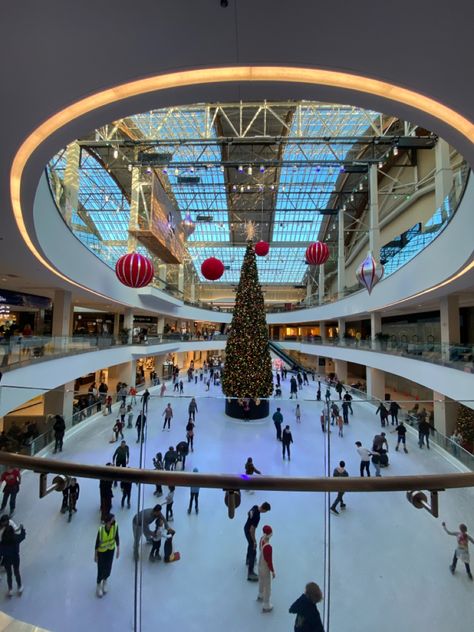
[232, 481]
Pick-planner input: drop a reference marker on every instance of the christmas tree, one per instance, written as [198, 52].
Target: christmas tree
[248, 366]
[465, 425]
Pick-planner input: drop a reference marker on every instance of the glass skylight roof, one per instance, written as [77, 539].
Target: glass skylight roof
[281, 265]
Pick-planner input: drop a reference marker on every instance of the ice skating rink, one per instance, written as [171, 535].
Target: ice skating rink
[389, 561]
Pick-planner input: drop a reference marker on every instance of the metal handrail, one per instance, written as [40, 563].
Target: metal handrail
[433, 482]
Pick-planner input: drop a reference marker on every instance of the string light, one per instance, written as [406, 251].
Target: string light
[129, 167]
[240, 169]
[262, 169]
[249, 170]
[115, 153]
[395, 151]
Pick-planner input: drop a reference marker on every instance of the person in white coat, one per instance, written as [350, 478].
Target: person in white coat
[265, 569]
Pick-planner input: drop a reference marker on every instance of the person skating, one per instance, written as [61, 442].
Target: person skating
[168, 415]
[250, 470]
[327, 395]
[299, 379]
[293, 387]
[286, 440]
[106, 544]
[170, 459]
[141, 526]
[144, 400]
[190, 434]
[339, 471]
[194, 496]
[305, 379]
[12, 479]
[158, 465]
[70, 498]
[308, 618]
[59, 428]
[10, 554]
[140, 426]
[401, 436]
[380, 442]
[365, 455]
[181, 387]
[169, 503]
[156, 537]
[393, 412]
[348, 398]
[278, 420]
[121, 455]
[106, 495]
[424, 428]
[376, 461]
[462, 550]
[192, 409]
[129, 416]
[383, 414]
[126, 487]
[118, 430]
[345, 411]
[339, 388]
[265, 569]
[298, 414]
[340, 426]
[253, 518]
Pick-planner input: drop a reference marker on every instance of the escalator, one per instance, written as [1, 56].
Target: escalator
[292, 363]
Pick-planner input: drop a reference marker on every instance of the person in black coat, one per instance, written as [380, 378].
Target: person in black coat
[308, 618]
[59, 428]
[10, 553]
[286, 439]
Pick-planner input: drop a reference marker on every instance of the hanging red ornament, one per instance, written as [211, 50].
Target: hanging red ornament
[369, 273]
[212, 269]
[317, 254]
[262, 248]
[134, 270]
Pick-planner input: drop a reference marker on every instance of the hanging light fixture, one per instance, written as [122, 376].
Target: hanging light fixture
[395, 151]
[129, 167]
[240, 169]
[249, 170]
[188, 224]
[262, 169]
[115, 153]
[176, 172]
[380, 164]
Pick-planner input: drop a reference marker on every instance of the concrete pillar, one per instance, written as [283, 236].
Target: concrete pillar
[161, 325]
[71, 180]
[341, 261]
[134, 206]
[62, 313]
[375, 324]
[443, 175]
[322, 329]
[374, 228]
[341, 326]
[445, 413]
[375, 383]
[321, 285]
[59, 402]
[449, 323]
[128, 322]
[341, 370]
[124, 372]
[162, 272]
[193, 292]
[116, 325]
[308, 290]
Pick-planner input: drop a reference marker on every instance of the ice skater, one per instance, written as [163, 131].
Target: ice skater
[462, 550]
[265, 569]
[339, 471]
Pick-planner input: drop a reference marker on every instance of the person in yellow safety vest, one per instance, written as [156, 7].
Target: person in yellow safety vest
[106, 543]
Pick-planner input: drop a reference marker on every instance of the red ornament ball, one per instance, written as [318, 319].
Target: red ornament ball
[317, 254]
[134, 270]
[262, 248]
[212, 269]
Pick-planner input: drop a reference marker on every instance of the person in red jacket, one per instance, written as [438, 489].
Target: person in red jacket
[12, 479]
[265, 569]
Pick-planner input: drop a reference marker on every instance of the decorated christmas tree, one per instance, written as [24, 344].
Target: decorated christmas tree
[248, 366]
[465, 425]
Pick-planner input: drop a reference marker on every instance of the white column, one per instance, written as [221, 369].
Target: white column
[59, 402]
[341, 326]
[161, 325]
[449, 323]
[162, 272]
[71, 180]
[322, 330]
[62, 313]
[443, 174]
[321, 285]
[128, 322]
[116, 325]
[341, 262]
[445, 413]
[375, 324]
[374, 228]
[193, 292]
[341, 370]
[375, 383]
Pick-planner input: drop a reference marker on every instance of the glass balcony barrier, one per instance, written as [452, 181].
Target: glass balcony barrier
[193, 542]
[456, 356]
[410, 244]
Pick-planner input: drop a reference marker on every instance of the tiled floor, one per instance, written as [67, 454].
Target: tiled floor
[389, 561]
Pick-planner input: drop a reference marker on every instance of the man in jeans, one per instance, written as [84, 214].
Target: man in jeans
[141, 526]
[253, 518]
[278, 420]
[339, 471]
[12, 479]
[365, 455]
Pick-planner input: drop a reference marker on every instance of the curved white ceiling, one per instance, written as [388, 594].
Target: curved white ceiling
[57, 53]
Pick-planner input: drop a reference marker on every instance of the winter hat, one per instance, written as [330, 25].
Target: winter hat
[267, 530]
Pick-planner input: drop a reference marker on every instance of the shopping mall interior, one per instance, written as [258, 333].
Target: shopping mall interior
[229, 208]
